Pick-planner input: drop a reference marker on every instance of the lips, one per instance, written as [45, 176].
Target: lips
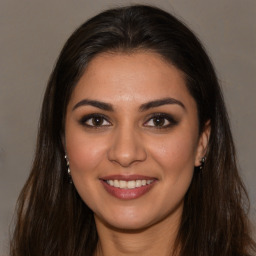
[127, 187]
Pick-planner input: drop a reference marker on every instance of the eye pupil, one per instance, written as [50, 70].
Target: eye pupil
[158, 121]
[97, 121]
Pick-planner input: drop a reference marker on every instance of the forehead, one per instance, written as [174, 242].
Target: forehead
[137, 77]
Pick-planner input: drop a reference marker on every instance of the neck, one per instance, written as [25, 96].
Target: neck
[153, 240]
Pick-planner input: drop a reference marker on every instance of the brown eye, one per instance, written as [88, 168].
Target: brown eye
[95, 121]
[161, 120]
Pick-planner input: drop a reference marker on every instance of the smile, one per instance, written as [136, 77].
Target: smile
[128, 187]
[131, 184]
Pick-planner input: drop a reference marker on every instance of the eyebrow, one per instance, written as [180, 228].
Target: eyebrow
[143, 107]
[160, 102]
[94, 103]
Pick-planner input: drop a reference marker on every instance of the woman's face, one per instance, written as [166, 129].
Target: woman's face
[132, 139]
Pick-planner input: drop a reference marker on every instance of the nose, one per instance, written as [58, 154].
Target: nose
[127, 147]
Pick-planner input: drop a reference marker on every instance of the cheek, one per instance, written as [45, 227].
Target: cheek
[175, 156]
[85, 152]
[175, 153]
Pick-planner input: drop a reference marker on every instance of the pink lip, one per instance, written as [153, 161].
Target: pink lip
[127, 194]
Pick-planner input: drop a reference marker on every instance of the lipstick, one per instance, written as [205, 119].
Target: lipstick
[127, 187]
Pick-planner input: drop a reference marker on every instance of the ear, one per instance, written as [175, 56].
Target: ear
[203, 143]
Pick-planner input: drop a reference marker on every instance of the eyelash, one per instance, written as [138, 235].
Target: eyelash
[162, 116]
[86, 118]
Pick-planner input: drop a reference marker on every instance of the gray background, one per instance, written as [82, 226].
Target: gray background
[33, 32]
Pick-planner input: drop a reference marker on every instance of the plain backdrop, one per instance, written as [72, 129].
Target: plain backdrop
[32, 34]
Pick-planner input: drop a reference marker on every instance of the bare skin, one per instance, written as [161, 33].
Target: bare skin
[155, 240]
[131, 119]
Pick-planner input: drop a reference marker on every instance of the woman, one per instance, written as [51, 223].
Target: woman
[134, 153]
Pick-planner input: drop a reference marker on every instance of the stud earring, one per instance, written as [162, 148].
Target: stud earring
[69, 173]
[202, 163]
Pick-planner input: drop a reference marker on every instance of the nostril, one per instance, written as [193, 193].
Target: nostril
[127, 147]
[127, 157]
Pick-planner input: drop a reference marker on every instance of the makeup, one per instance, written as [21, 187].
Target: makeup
[128, 187]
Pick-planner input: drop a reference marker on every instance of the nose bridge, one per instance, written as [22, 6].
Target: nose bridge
[127, 146]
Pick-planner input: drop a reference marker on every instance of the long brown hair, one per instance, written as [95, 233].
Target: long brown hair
[51, 217]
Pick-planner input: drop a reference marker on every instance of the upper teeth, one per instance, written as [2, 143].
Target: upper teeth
[128, 184]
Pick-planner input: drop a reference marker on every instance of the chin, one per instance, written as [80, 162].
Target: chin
[129, 220]
[128, 225]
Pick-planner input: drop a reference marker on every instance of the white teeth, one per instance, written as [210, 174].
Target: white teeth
[122, 184]
[116, 183]
[128, 184]
[131, 184]
[138, 183]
